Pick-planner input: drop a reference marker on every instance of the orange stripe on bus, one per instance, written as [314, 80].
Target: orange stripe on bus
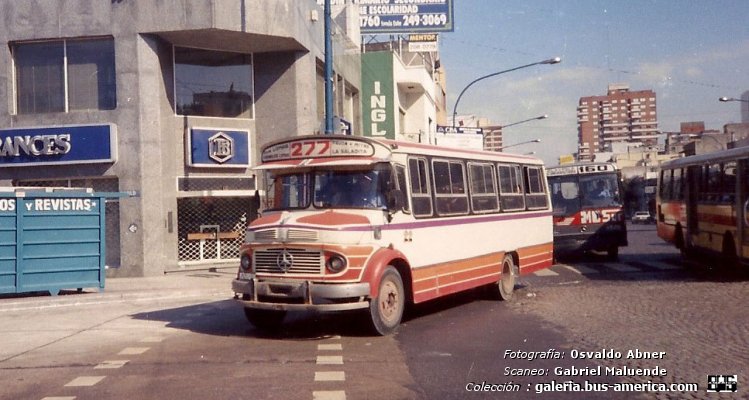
[334, 218]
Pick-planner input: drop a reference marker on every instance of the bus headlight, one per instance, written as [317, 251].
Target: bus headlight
[336, 263]
[245, 262]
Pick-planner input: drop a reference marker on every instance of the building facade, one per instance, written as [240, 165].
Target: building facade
[619, 116]
[170, 100]
[403, 94]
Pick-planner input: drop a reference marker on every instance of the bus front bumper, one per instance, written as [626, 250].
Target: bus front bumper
[301, 295]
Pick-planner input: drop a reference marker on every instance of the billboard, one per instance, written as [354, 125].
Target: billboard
[378, 96]
[394, 16]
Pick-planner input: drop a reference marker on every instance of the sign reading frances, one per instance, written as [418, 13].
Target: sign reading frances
[72, 144]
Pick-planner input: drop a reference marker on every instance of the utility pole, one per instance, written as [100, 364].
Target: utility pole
[328, 71]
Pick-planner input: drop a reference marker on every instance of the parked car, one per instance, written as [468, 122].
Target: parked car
[641, 217]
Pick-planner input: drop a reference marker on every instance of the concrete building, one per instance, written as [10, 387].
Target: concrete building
[619, 116]
[403, 92]
[170, 99]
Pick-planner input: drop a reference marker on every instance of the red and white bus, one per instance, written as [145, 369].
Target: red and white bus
[702, 205]
[358, 223]
[588, 208]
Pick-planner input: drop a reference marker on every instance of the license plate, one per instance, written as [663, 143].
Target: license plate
[245, 276]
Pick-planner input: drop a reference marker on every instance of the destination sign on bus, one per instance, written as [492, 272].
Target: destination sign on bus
[312, 148]
[580, 169]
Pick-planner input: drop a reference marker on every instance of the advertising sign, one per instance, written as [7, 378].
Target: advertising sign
[405, 16]
[378, 97]
[218, 148]
[70, 144]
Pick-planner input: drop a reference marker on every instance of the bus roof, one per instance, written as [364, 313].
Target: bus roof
[716, 156]
[317, 150]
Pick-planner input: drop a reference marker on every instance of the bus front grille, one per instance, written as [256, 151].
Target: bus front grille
[288, 261]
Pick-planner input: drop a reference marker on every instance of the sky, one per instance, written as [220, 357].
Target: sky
[689, 52]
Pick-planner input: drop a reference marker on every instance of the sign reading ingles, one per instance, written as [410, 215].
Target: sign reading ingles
[405, 16]
[74, 144]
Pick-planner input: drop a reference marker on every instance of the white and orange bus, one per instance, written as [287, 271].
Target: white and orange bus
[588, 208]
[358, 223]
[702, 205]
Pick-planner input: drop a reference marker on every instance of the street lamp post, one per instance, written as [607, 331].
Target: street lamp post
[525, 120]
[518, 144]
[725, 99]
[490, 132]
[555, 60]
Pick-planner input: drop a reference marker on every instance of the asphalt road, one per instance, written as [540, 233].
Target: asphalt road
[200, 346]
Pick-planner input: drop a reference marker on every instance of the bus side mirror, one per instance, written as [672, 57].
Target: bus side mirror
[395, 200]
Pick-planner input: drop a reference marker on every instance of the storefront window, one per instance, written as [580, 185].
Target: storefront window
[213, 83]
[65, 75]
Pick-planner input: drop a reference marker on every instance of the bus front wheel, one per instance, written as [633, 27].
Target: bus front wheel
[386, 310]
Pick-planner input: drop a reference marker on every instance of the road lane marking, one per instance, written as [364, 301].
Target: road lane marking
[133, 351]
[545, 272]
[329, 395]
[111, 364]
[329, 376]
[618, 267]
[329, 360]
[332, 346]
[59, 398]
[580, 269]
[663, 266]
[152, 339]
[85, 381]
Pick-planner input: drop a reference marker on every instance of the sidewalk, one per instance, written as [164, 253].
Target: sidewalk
[170, 286]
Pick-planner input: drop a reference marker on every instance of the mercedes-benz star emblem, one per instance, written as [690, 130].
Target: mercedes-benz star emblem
[284, 261]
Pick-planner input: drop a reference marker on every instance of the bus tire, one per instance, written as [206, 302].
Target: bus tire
[386, 310]
[265, 320]
[505, 288]
[612, 253]
[729, 258]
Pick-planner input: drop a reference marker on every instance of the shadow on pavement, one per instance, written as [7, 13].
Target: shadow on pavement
[226, 318]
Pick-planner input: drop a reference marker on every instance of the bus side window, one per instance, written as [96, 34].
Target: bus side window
[535, 189]
[421, 197]
[510, 187]
[451, 197]
[400, 176]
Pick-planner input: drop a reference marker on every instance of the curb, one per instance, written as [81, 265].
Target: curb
[118, 290]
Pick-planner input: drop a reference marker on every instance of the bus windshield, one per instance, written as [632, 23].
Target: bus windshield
[330, 188]
[571, 193]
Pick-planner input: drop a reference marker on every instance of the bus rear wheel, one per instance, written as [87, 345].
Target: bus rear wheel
[505, 288]
[386, 310]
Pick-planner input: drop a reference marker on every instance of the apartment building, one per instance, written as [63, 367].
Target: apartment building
[621, 115]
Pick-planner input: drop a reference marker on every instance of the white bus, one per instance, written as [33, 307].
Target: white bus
[359, 223]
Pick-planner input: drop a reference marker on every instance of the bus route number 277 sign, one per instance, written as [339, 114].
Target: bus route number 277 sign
[313, 148]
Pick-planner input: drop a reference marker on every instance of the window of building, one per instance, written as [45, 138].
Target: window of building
[65, 75]
[213, 83]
